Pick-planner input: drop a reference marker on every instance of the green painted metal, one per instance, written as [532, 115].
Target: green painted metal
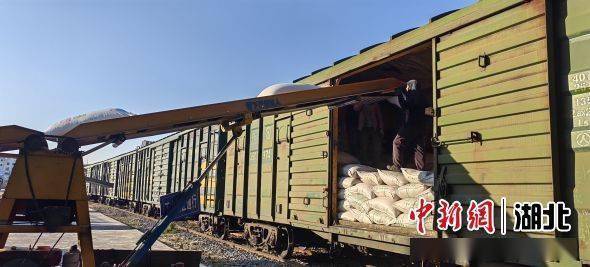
[254, 154]
[576, 99]
[215, 179]
[267, 177]
[230, 179]
[309, 158]
[212, 140]
[282, 142]
[506, 101]
[425, 33]
[241, 192]
[160, 169]
[125, 176]
[143, 175]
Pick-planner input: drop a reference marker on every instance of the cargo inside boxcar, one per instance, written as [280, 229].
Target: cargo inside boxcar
[366, 131]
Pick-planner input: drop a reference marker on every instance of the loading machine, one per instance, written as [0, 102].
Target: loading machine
[46, 191]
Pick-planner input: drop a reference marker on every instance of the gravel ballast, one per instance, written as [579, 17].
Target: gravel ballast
[214, 253]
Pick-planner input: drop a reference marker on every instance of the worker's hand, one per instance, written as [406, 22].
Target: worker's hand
[429, 111]
[411, 85]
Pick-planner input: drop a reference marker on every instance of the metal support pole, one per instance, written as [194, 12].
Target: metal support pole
[150, 237]
[117, 140]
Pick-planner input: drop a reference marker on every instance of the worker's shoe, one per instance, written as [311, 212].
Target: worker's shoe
[393, 168]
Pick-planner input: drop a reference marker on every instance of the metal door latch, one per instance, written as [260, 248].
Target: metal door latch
[306, 201]
[436, 142]
[476, 137]
[483, 61]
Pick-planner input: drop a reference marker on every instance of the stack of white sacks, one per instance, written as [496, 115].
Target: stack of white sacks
[373, 196]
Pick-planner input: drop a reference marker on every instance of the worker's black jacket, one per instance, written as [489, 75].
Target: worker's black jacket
[413, 105]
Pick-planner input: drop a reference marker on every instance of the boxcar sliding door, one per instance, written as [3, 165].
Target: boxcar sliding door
[492, 83]
[282, 146]
[308, 192]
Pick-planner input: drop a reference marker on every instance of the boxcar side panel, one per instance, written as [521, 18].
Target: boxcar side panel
[254, 170]
[492, 79]
[308, 184]
[282, 150]
[230, 178]
[160, 159]
[267, 183]
[242, 147]
[575, 92]
[216, 185]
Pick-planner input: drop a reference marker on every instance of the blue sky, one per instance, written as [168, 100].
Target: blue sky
[63, 58]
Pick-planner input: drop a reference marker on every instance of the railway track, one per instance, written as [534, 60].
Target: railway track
[214, 255]
[185, 226]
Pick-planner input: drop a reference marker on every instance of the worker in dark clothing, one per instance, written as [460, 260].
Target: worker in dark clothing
[409, 140]
[370, 127]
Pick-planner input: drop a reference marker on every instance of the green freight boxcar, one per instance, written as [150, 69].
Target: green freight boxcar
[142, 176]
[496, 74]
[508, 81]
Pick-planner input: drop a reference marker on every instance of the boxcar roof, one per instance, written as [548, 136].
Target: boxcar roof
[404, 40]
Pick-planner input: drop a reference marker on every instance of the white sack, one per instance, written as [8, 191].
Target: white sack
[419, 177]
[361, 216]
[404, 221]
[357, 201]
[344, 205]
[385, 191]
[385, 205]
[341, 195]
[427, 195]
[406, 204]
[347, 182]
[64, 126]
[347, 216]
[351, 169]
[382, 218]
[392, 178]
[371, 178]
[345, 158]
[363, 189]
[282, 88]
[410, 190]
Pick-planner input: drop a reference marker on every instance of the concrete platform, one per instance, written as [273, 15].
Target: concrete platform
[107, 233]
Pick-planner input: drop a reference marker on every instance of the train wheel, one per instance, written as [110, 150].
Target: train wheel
[285, 242]
[203, 226]
[220, 229]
